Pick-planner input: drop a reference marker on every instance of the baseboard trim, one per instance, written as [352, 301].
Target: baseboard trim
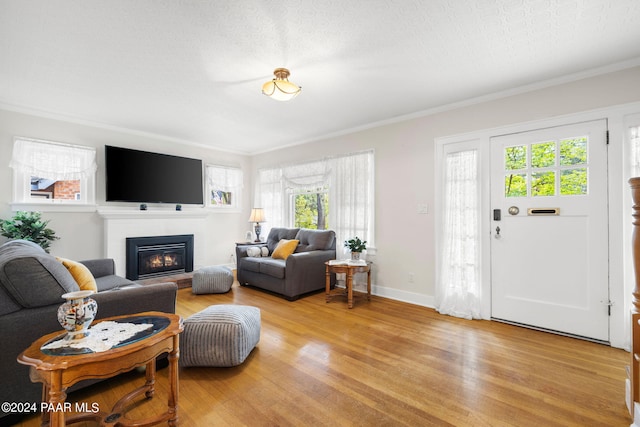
[404, 296]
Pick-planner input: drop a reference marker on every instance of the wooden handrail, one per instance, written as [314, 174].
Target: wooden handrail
[634, 375]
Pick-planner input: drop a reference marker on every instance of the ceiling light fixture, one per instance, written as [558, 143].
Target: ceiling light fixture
[280, 88]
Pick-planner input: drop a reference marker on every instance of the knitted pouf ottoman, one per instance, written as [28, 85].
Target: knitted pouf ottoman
[212, 280]
[220, 335]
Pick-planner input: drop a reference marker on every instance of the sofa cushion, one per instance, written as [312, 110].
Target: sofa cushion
[273, 267]
[81, 274]
[277, 234]
[7, 304]
[315, 240]
[112, 282]
[250, 264]
[285, 248]
[32, 277]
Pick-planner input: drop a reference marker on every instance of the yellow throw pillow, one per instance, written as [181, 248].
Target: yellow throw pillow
[284, 248]
[80, 274]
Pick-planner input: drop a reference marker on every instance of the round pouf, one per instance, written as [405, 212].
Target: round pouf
[220, 335]
[212, 280]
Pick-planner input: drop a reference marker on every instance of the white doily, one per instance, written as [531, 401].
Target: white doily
[102, 337]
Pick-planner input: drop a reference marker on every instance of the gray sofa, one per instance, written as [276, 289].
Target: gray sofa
[31, 285]
[301, 273]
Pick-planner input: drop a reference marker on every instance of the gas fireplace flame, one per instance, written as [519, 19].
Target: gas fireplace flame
[163, 260]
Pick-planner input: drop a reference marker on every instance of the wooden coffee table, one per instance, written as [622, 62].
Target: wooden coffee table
[349, 270]
[62, 369]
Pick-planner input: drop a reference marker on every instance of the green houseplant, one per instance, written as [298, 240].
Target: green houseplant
[28, 226]
[356, 246]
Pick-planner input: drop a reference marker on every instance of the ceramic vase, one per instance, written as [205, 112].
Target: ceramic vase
[77, 313]
[355, 255]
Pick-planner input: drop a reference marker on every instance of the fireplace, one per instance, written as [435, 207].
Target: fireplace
[155, 256]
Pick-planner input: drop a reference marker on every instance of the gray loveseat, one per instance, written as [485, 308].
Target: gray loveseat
[31, 285]
[302, 272]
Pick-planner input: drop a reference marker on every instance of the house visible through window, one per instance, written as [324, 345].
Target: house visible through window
[53, 172]
[43, 188]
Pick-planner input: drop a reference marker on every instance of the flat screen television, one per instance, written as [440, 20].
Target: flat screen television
[145, 177]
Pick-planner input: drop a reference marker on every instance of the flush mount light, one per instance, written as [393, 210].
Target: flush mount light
[280, 88]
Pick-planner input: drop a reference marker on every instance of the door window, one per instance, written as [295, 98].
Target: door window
[536, 169]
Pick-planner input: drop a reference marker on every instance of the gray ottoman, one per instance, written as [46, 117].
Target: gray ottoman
[212, 280]
[220, 335]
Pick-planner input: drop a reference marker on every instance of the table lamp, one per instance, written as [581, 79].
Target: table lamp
[257, 216]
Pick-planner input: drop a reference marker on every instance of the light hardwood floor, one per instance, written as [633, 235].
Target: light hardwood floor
[387, 363]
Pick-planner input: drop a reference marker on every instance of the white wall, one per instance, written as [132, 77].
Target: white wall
[404, 173]
[81, 233]
[404, 151]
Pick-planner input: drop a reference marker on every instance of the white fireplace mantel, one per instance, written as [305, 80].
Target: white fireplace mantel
[114, 213]
[122, 223]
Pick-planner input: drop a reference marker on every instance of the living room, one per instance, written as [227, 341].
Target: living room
[404, 245]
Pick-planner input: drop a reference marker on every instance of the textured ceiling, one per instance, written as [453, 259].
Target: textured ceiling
[192, 70]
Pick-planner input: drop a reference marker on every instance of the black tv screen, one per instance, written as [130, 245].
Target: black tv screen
[145, 177]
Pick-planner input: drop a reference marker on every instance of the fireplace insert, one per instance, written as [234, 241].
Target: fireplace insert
[155, 256]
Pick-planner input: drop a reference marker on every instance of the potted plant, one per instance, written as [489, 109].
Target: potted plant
[28, 226]
[356, 246]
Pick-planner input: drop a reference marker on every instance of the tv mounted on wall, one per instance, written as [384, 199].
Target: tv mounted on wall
[145, 177]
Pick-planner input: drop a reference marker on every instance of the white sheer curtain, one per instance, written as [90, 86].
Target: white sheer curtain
[52, 160]
[634, 137]
[224, 186]
[310, 176]
[351, 198]
[349, 180]
[224, 178]
[458, 290]
[270, 195]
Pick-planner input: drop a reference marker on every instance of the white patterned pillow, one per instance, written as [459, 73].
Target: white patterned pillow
[265, 251]
[254, 252]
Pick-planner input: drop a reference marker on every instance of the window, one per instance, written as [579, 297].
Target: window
[53, 173]
[338, 192]
[224, 186]
[311, 209]
[547, 168]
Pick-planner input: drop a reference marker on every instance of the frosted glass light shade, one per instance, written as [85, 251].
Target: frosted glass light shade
[280, 88]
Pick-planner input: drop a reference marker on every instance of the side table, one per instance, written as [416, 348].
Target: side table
[349, 270]
[57, 370]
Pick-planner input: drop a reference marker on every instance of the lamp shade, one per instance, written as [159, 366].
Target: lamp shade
[280, 88]
[257, 215]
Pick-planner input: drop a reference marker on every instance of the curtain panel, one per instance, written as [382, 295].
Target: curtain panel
[349, 180]
[62, 162]
[634, 137]
[458, 291]
[224, 178]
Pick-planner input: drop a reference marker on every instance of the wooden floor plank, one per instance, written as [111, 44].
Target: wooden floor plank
[387, 363]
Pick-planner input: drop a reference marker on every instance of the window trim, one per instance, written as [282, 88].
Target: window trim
[236, 191]
[21, 194]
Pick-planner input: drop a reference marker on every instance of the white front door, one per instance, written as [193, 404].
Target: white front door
[549, 246]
